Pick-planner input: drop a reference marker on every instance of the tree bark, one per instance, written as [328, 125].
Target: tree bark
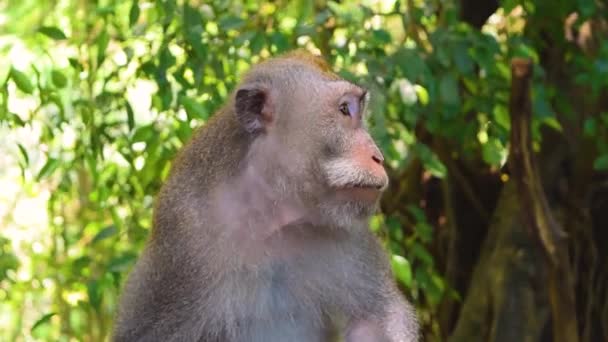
[538, 217]
[505, 301]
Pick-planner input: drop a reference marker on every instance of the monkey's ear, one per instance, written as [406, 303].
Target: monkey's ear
[253, 107]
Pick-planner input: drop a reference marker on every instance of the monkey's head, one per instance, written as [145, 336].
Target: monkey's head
[310, 142]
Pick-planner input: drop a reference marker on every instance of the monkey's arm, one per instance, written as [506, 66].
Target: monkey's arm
[400, 323]
[397, 323]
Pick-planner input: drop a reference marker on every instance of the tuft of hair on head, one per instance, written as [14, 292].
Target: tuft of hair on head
[315, 61]
[307, 57]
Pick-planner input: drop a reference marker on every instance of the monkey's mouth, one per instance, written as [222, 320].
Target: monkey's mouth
[364, 192]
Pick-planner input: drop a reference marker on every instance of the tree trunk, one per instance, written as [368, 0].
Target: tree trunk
[538, 217]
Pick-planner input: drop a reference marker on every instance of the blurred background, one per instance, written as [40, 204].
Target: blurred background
[96, 97]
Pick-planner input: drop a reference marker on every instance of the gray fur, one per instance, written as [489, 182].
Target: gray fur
[250, 242]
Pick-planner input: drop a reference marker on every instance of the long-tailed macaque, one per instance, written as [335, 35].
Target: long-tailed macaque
[260, 232]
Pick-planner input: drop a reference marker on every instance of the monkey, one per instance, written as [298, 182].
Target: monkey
[260, 231]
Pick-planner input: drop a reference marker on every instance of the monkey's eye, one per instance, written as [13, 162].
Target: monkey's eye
[349, 106]
[344, 108]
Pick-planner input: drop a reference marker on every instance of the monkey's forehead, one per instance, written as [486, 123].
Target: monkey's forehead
[289, 73]
[313, 60]
[319, 66]
[349, 86]
[295, 63]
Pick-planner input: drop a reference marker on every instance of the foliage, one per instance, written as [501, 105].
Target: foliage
[98, 96]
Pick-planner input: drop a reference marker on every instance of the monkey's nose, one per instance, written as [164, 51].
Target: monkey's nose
[378, 158]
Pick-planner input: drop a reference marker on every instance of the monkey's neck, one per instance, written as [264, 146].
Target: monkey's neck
[253, 207]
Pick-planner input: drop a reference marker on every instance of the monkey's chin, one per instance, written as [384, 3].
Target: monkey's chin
[347, 213]
[359, 194]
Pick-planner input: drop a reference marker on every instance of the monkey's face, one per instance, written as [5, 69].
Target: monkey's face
[351, 164]
[312, 131]
[328, 149]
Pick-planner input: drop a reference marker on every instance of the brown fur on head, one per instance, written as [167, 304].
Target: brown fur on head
[314, 60]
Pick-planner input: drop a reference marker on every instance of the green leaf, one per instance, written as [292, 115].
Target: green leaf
[424, 231]
[43, 320]
[435, 287]
[375, 223]
[102, 44]
[590, 127]
[493, 152]
[587, 8]
[463, 61]
[443, 53]
[509, 5]
[52, 32]
[541, 106]
[402, 269]
[130, 116]
[381, 36]
[166, 60]
[244, 37]
[104, 11]
[604, 118]
[471, 85]
[601, 163]
[411, 64]
[22, 82]
[194, 109]
[94, 293]
[552, 122]
[430, 161]
[121, 263]
[501, 116]
[74, 63]
[394, 228]
[337, 9]
[105, 233]
[280, 41]
[422, 93]
[5, 71]
[80, 263]
[418, 213]
[17, 119]
[192, 19]
[448, 90]
[23, 151]
[231, 23]
[257, 43]
[134, 13]
[525, 51]
[421, 274]
[48, 168]
[59, 79]
[421, 253]
[143, 133]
